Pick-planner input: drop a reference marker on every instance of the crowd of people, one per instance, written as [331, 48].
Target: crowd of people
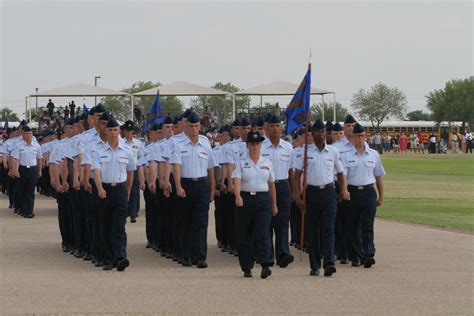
[416, 143]
[96, 170]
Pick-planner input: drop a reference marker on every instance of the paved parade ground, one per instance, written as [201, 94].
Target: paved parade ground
[418, 270]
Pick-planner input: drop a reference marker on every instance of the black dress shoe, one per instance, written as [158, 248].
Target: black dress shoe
[201, 264]
[329, 270]
[194, 261]
[99, 264]
[247, 274]
[122, 264]
[285, 260]
[186, 263]
[344, 261]
[148, 245]
[108, 267]
[87, 257]
[369, 262]
[266, 272]
[355, 263]
[10, 206]
[314, 272]
[133, 220]
[65, 248]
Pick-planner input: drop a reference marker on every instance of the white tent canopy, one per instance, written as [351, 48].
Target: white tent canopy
[276, 88]
[79, 90]
[182, 89]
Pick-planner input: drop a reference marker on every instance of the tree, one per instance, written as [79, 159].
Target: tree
[379, 103]
[317, 113]
[453, 103]
[120, 107]
[7, 114]
[221, 107]
[418, 115]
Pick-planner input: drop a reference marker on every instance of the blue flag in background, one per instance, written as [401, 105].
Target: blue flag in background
[299, 106]
[85, 110]
[156, 113]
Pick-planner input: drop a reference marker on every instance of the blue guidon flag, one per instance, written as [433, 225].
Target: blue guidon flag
[299, 106]
[156, 113]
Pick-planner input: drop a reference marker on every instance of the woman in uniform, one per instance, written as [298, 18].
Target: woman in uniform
[255, 199]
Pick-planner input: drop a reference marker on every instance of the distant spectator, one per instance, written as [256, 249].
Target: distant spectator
[72, 109]
[442, 147]
[468, 136]
[378, 143]
[386, 143]
[421, 143]
[454, 143]
[414, 144]
[403, 143]
[50, 107]
[463, 143]
[432, 148]
[66, 112]
[396, 144]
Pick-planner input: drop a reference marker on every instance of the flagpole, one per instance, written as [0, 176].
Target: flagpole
[305, 169]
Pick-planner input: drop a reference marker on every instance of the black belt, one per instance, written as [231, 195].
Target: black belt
[281, 181]
[113, 184]
[193, 179]
[361, 187]
[253, 193]
[27, 167]
[322, 187]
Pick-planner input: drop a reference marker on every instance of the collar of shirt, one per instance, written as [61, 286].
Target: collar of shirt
[366, 150]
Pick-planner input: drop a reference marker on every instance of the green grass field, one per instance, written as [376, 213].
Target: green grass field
[435, 190]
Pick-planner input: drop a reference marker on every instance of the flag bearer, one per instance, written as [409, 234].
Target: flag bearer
[322, 162]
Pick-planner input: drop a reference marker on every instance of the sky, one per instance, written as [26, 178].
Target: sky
[415, 46]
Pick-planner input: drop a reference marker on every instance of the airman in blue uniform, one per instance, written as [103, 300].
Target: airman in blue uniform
[364, 169]
[255, 200]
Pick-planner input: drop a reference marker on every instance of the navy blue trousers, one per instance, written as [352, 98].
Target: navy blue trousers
[134, 202]
[321, 208]
[362, 209]
[194, 218]
[281, 222]
[253, 222]
[26, 189]
[113, 219]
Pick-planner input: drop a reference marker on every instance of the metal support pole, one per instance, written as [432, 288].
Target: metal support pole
[26, 106]
[132, 101]
[29, 109]
[36, 100]
[233, 107]
[95, 84]
[261, 101]
[334, 108]
[322, 108]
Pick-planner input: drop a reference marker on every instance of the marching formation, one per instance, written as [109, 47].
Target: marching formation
[267, 191]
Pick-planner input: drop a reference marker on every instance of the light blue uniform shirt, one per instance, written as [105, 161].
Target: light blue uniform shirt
[321, 165]
[195, 159]
[281, 156]
[254, 177]
[362, 169]
[343, 145]
[137, 148]
[57, 153]
[113, 164]
[27, 154]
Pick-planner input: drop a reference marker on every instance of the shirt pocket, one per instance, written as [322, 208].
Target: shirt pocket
[203, 159]
[285, 161]
[105, 159]
[123, 159]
